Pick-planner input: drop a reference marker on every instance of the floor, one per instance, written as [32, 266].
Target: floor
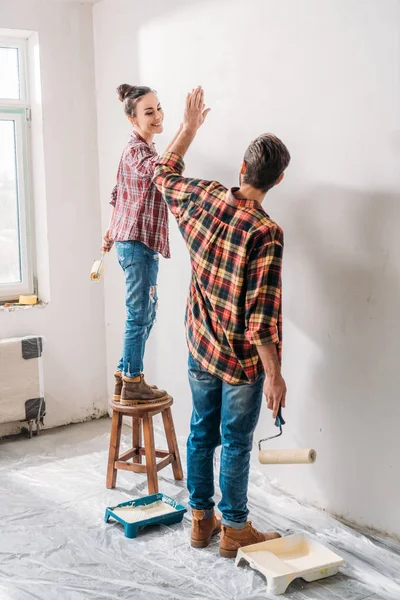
[54, 543]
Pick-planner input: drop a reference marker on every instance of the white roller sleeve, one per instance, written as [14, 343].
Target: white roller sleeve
[287, 457]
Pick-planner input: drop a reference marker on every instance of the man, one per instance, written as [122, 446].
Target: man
[233, 322]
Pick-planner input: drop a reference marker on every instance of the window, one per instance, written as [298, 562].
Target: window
[16, 275]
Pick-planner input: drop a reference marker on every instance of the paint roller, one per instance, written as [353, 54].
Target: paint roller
[98, 269]
[299, 456]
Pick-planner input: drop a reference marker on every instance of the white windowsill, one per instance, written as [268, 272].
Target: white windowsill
[12, 307]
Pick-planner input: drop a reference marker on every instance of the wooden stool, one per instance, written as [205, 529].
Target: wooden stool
[143, 413]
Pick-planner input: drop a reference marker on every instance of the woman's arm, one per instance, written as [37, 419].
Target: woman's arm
[168, 148]
[107, 241]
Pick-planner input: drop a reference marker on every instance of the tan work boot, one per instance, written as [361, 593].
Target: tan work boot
[203, 529]
[233, 539]
[137, 391]
[118, 386]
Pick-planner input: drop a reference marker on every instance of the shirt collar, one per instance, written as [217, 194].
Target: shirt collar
[234, 200]
[136, 137]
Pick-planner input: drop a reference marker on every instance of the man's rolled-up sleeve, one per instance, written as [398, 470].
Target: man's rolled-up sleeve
[176, 189]
[263, 293]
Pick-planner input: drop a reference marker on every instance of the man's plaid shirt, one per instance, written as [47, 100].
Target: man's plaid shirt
[234, 301]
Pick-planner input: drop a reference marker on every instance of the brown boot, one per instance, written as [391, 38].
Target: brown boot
[233, 539]
[136, 391]
[118, 386]
[203, 529]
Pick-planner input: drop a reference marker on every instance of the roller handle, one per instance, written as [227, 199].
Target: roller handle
[101, 261]
[279, 421]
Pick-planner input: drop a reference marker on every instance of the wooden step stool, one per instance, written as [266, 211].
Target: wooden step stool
[143, 413]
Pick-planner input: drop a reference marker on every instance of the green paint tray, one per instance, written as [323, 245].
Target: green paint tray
[157, 509]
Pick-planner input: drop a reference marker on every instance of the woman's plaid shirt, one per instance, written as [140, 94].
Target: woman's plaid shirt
[234, 301]
[140, 212]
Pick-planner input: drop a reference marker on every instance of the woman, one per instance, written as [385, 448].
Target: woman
[139, 228]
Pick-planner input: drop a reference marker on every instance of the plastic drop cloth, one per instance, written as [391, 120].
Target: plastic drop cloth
[54, 544]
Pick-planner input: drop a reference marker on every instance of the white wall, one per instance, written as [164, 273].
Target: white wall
[324, 76]
[73, 321]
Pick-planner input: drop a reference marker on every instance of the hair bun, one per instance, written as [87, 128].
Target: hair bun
[124, 90]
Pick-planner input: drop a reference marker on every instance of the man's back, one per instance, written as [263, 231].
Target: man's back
[235, 249]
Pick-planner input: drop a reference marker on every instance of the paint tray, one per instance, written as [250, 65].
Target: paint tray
[156, 509]
[283, 560]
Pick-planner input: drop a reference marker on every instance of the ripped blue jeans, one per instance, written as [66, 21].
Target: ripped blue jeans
[140, 266]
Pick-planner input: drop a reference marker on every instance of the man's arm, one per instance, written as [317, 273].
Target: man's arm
[176, 189]
[168, 178]
[274, 386]
[263, 299]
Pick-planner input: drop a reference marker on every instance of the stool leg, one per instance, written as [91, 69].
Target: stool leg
[150, 453]
[172, 443]
[115, 438]
[136, 438]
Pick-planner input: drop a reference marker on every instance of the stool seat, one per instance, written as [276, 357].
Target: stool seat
[138, 410]
[142, 417]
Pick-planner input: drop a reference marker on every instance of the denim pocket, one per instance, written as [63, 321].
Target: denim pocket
[151, 253]
[200, 375]
[125, 253]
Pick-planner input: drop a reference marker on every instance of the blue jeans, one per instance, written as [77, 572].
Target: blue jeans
[140, 265]
[227, 415]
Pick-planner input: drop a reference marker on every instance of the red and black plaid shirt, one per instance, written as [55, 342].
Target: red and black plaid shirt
[140, 211]
[234, 301]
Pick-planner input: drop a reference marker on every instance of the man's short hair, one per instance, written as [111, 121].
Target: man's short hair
[266, 159]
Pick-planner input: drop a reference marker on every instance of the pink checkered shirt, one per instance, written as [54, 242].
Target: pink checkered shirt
[140, 212]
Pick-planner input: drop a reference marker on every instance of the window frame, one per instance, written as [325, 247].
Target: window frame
[18, 111]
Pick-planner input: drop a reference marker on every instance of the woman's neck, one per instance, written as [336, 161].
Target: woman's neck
[148, 137]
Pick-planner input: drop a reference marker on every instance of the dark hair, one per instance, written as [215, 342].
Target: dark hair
[130, 95]
[266, 158]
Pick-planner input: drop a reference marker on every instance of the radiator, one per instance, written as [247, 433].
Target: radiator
[21, 381]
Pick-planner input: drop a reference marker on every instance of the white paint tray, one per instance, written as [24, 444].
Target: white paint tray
[283, 560]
